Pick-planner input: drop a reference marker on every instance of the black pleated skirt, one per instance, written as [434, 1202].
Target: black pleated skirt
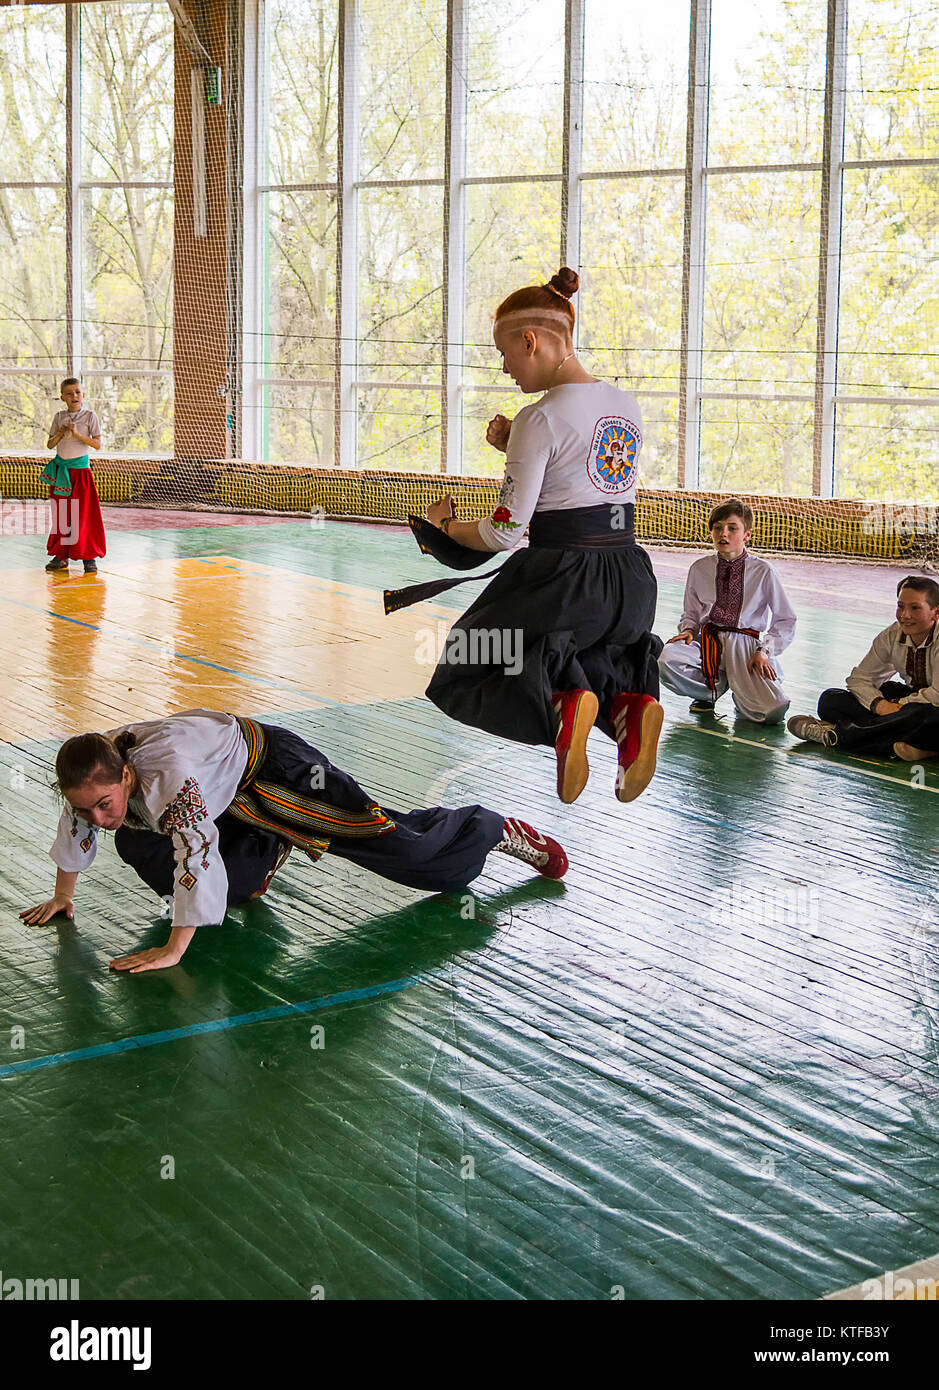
[566, 619]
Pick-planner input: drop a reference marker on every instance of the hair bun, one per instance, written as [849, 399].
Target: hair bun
[124, 742]
[566, 281]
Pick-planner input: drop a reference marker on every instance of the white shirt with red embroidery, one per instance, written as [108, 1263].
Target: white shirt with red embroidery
[888, 658]
[576, 447]
[765, 607]
[189, 767]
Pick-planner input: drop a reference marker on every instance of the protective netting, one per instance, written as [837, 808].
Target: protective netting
[270, 234]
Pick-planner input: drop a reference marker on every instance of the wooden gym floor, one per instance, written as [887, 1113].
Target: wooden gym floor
[703, 1067]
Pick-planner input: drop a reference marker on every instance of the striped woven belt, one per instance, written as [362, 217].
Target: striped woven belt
[303, 821]
[711, 649]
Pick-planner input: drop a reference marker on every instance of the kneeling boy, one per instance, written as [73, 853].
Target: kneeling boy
[877, 713]
[735, 621]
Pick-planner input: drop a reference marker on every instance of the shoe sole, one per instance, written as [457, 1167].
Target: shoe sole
[912, 755]
[639, 774]
[575, 772]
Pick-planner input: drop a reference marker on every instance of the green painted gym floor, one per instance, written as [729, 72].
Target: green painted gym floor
[703, 1067]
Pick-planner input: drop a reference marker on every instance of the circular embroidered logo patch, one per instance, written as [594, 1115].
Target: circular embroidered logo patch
[612, 462]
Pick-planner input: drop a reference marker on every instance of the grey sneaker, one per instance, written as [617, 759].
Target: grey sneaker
[813, 730]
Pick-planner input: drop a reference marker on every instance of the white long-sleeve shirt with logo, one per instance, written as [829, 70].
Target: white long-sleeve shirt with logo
[578, 446]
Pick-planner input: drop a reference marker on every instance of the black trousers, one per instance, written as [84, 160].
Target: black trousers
[434, 849]
[573, 620]
[860, 730]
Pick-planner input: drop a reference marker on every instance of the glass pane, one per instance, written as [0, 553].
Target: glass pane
[889, 325]
[767, 81]
[515, 67]
[404, 88]
[400, 275]
[299, 425]
[893, 79]
[512, 236]
[32, 278]
[761, 285]
[630, 299]
[27, 405]
[32, 79]
[658, 462]
[635, 85]
[302, 54]
[756, 446]
[136, 413]
[127, 91]
[887, 452]
[299, 279]
[128, 281]
[480, 459]
[399, 430]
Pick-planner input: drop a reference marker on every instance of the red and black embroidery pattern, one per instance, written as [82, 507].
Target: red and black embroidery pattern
[89, 839]
[916, 664]
[729, 596]
[184, 813]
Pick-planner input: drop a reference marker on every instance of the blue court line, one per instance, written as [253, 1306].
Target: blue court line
[171, 651]
[216, 1025]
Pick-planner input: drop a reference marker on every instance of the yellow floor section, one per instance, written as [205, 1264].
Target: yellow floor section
[140, 640]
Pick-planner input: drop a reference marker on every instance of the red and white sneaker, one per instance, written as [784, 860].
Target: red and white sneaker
[283, 854]
[576, 711]
[637, 722]
[523, 841]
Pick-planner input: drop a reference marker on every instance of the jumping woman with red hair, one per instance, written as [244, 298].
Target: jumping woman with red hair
[582, 595]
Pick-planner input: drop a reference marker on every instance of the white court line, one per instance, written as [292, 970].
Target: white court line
[442, 782]
[449, 775]
[827, 767]
[922, 1283]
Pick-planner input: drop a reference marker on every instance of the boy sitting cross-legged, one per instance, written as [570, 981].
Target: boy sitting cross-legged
[735, 621]
[877, 713]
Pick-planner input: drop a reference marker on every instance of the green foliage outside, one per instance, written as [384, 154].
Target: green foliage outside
[763, 228]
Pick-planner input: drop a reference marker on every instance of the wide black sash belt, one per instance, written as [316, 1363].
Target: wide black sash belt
[301, 820]
[604, 527]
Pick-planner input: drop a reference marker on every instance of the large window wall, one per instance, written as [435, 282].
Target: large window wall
[86, 218]
[749, 190]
